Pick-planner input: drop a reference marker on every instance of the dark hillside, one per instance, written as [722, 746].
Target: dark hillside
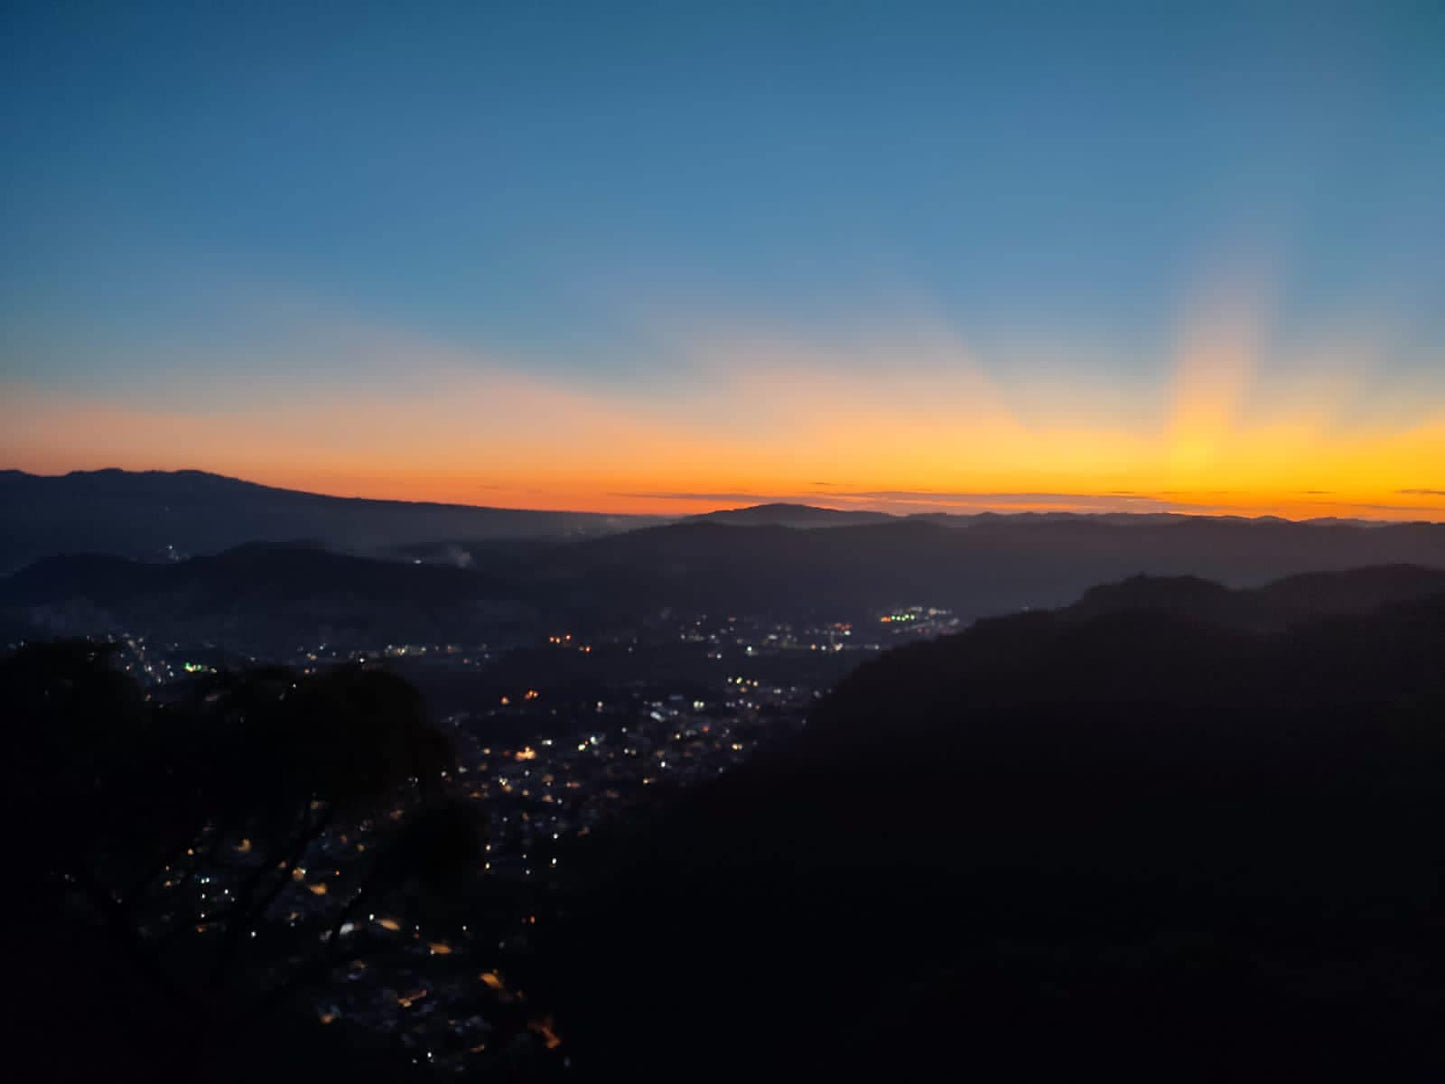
[155, 514]
[1145, 841]
[262, 595]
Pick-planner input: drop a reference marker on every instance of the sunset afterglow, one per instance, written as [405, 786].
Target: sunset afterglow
[1201, 277]
[924, 426]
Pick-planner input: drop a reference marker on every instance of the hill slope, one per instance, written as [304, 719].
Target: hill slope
[147, 514]
[991, 566]
[1145, 841]
[841, 573]
[261, 596]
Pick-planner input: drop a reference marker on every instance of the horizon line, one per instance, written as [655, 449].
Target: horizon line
[948, 503]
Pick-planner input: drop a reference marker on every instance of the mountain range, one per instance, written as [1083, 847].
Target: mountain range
[92, 547]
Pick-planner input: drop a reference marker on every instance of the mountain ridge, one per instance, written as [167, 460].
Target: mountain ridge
[159, 514]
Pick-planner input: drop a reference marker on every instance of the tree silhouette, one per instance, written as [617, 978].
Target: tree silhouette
[232, 846]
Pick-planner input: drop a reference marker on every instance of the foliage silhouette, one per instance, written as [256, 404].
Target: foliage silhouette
[220, 851]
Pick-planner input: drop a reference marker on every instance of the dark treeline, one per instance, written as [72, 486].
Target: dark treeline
[151, 847]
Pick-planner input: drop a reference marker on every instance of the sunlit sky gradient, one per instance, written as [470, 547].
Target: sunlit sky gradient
[672, 256]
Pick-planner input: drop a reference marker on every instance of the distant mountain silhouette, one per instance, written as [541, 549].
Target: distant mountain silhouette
[802, 516]
[147, 514]
[992, 566]
[995, 561]
[1134, 835]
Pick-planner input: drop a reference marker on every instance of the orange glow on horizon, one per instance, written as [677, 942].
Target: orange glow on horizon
[1205, 492]
[849, 426]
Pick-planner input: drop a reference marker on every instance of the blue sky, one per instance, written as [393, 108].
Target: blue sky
[598, 194]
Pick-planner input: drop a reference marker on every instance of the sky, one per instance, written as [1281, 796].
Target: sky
[672, 256]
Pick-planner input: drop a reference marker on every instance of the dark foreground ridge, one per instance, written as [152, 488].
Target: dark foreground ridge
[1170, 832]
[1174, 830]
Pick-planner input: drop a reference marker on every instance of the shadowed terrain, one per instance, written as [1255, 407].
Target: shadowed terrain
[791, 562]
[1170, 831]
[153, 514]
